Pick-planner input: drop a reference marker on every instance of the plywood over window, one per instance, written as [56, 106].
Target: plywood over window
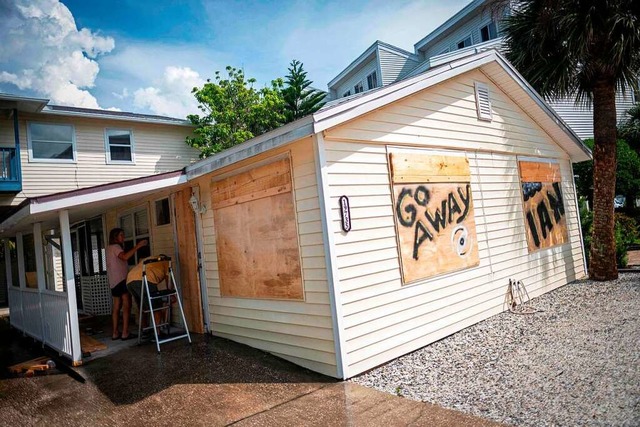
[256, 234]
[433, 213]
[543, 204]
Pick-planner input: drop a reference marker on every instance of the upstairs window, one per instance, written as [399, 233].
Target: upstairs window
[372, 80]
[488, 32]
[464, 43]
[358, 87]
[347, 93]
[51, 143]
[119, 146]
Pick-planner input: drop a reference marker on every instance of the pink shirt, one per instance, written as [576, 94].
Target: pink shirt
[116, 268]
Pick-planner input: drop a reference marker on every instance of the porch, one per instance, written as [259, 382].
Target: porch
[54, 249]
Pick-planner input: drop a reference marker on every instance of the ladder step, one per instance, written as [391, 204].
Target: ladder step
[178, 337]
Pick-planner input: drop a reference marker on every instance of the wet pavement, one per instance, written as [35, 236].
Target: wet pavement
[211, 382]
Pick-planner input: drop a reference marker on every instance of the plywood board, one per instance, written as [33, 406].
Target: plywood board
[420, 168]
[436, 228]
[90, 345]
[256, 236]
[539, 171]
[188, 256]
[264, 181]
[544, 214]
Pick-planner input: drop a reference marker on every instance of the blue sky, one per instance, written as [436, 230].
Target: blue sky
[145, 56]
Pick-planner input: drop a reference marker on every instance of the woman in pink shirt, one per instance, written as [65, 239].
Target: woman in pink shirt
[117, 269]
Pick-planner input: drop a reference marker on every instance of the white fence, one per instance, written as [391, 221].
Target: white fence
[31, 313]
[45, 312]
[15, 307]
[57, 324]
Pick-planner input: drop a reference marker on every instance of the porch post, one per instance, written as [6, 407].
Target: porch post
[22, 281]
[37, 244]
[67, 267]
[7, 262]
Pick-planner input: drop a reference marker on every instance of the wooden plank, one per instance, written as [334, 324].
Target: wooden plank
[420, 168]
[188, 255]
[544, 215]
[90, 344]
[539, 171]
[253, 182]
[257, 248]
[436, 228]
[33, 365]
[256, 234]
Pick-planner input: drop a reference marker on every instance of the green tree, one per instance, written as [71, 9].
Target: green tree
[629, 130]
[627, 173]
[299, 99]
[586, 49]
[234, 111]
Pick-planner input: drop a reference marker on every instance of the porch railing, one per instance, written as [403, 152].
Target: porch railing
[31, 314]
[15, 307]
[10, 173]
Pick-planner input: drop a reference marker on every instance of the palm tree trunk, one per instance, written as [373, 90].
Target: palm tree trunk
[603, 246]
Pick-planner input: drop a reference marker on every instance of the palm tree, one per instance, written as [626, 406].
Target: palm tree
[586, 49]
[299, 99]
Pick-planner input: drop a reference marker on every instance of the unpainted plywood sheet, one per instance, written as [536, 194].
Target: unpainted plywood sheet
[420, 168]
[256, 235]
[544, 213]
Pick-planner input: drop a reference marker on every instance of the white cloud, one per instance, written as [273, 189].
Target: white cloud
[43, 51]
[171, 95]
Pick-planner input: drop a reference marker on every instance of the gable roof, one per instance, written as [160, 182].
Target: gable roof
[368, 54]
[449, 23]
[492, 64]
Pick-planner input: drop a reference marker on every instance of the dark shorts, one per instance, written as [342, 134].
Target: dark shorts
[119, 289]
[135, 289]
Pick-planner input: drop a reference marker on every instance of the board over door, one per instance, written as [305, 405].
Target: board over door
[188, 255]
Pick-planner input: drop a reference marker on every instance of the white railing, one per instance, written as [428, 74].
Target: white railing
[31, 314]
[57, 325]
[15, 307]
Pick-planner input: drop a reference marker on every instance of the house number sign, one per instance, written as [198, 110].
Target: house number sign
[345, 213]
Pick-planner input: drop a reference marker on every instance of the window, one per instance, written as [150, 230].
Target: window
[136, 227]
[119, 146]
[163, 214]
[347, 93]
[444, 51]
[49, 142]
[372, 80]
[358, 87]
[464, 43]
[488, 32]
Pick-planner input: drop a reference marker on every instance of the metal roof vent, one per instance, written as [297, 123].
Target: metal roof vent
[483, 102]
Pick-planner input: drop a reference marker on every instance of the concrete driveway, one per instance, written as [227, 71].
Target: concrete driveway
[211, 382]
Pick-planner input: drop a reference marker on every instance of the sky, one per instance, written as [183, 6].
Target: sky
[146, 56]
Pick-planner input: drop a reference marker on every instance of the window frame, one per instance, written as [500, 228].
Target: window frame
[107, 147]
[155, 211]
[487, 26]
[374, 73]
[33, 159]
[468, 36]
[135, 238]
[358, 84]
[347, 93]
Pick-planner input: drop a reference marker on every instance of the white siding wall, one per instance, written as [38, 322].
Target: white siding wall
[458, 33]
[580, 118]
[297, 331]
[384, 319]
[360, 75]
[158, 148]
[393, 66]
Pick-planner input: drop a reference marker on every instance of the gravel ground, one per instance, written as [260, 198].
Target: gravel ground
[577, 362]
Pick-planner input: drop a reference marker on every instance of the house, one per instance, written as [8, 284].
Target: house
[48, 149]
[379, 224]
[475, 28]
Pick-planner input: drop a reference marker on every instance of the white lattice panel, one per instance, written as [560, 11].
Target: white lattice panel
[96, 295]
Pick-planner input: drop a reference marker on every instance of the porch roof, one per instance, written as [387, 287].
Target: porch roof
[86, 202]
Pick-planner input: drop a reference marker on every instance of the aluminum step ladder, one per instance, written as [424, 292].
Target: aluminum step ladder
[165, 296]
